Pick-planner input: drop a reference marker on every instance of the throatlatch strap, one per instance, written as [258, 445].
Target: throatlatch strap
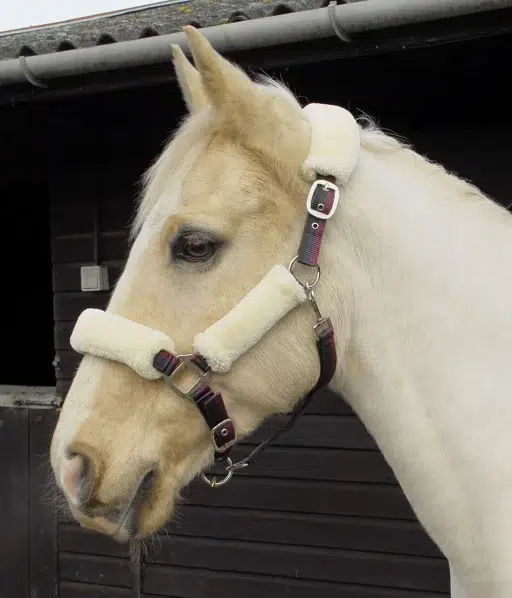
[311, 242]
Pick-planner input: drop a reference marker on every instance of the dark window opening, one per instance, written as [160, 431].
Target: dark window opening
[27, 301]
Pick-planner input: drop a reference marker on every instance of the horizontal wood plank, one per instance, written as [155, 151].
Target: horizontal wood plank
[71, 217]
[61, 335]
[330, 498]
[328, 403]
[203, 583]
[345, 432]
[398, 537]
[73, 248]
[342, 566]
[76, 248]
[68, 306]
[102, 570]
[66, 364]
[69, 589]
[73, 538]
[77, 216]
[325, 464]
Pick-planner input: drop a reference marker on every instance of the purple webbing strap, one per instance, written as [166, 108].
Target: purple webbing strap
[165, 362]
[312, 235]
[210, 403]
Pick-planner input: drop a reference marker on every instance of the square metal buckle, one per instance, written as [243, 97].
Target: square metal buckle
[187, 360]
[228, 445]
[326, 185]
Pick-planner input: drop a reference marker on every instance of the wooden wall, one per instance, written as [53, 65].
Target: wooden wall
[28, 524]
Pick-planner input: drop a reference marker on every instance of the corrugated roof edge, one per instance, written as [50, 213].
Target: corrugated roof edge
[137, 24]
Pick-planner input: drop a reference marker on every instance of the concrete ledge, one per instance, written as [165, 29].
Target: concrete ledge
[29, 397]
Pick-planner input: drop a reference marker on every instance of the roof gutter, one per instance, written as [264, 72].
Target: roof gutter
[341, 20]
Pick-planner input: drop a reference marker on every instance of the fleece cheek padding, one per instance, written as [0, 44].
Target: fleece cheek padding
[335, 142]
[113, 337]
[240, 329]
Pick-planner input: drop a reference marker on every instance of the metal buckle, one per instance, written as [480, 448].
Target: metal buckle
[184, 361]
[228, 445]
[326, 185]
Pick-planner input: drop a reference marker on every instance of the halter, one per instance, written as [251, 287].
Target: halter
[333, 155]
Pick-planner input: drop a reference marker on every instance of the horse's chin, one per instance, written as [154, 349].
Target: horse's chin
[135, 526]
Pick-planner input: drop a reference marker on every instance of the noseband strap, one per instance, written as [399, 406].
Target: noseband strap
[210, 403]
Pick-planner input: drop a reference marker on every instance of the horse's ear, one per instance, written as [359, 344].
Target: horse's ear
[226, 85]
[189, 81]
[261, 115]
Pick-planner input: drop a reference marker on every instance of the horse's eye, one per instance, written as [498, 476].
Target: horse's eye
[194, 247]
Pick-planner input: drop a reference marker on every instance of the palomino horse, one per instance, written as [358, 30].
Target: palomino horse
[415, 276]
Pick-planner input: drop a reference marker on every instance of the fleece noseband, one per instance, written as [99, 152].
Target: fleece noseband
[334, 152]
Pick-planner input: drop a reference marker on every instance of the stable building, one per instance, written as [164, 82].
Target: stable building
[85, 107]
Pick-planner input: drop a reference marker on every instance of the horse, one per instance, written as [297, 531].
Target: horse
[415, 278]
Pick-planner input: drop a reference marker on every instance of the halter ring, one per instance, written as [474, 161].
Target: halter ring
[307, 285]
[213, 483]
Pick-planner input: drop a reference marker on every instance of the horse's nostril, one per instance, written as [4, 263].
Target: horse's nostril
[79, 476]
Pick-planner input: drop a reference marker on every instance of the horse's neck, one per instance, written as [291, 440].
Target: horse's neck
[428, 298]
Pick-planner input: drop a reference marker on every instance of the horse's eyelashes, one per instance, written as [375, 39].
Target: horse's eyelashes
[194, 246]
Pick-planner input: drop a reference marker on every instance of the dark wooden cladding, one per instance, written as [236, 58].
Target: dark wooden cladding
[86, 568]
[62, 334]
[73, 538]
[300, 529]
[69, 589]
[319, 464]
[331, 498]
[328, 403]
[66, 364]
[43, 519]
[205, 583]
[14, 504]
[68, 306]
[71, 249]
[299, 562]
[62, 387]
[318, 431]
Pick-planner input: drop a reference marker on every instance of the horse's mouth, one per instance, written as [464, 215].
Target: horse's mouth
[122, 523]
[129, 524]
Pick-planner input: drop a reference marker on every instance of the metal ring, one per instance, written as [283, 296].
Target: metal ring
[213, 483]
[307, 285]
